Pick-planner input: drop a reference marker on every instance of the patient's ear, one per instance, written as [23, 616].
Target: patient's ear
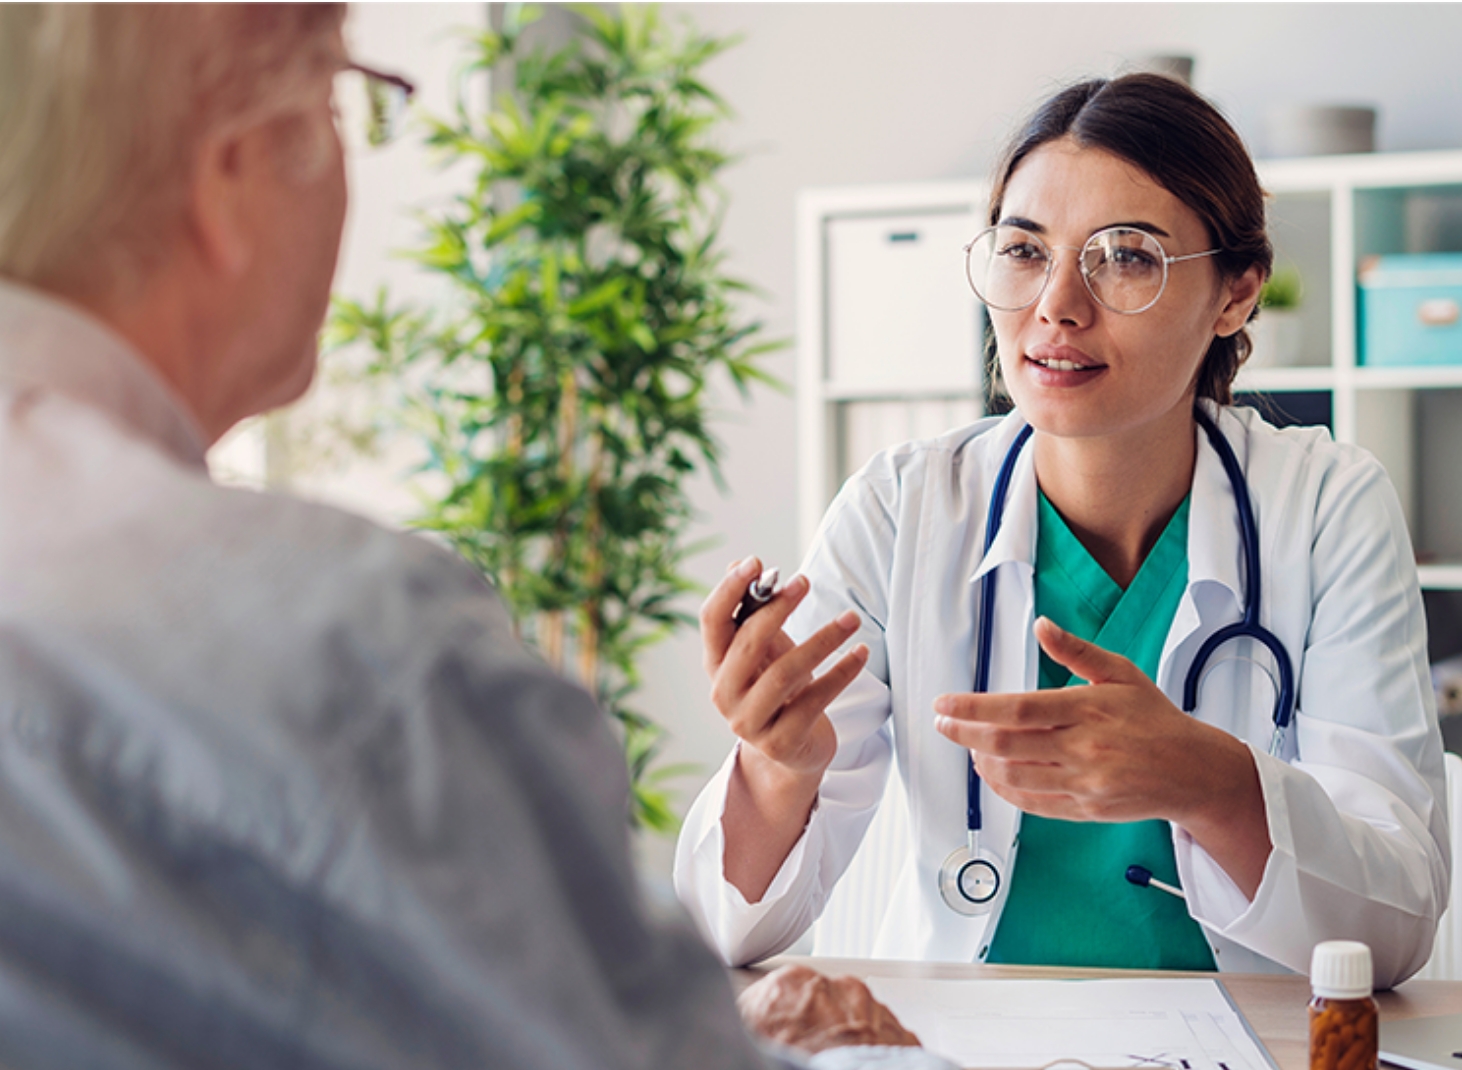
[232, 172]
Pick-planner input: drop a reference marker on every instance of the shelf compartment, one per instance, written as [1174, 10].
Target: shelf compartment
[1304, 408]
[1300, 227]
[900, 315]
[1413, 219]
[867, 426]
[1437, 441]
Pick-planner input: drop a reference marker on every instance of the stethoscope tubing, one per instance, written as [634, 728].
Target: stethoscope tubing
[974, 818]
[1248, 628]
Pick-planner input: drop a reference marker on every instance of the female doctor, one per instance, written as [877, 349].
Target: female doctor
[1129, 518]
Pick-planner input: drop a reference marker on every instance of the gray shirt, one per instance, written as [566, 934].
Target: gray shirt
[278, 787]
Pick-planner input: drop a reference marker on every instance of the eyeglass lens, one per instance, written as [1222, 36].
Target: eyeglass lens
[370, 107]
[1124, 269]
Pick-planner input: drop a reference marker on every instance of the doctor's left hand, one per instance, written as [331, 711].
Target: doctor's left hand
[1115, 749]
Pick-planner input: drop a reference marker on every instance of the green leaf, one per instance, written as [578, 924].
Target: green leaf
[643, 336]
[601, 296]
[515, 219]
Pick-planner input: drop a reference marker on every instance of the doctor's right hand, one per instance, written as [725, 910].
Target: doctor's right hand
[762, 683]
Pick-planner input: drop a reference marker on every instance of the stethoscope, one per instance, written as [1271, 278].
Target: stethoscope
[970, 878]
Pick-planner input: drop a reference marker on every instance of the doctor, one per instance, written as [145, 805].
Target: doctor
[1140, 515]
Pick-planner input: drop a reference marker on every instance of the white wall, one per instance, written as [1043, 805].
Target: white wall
[830, 94]
[424, 43]
[421, 42]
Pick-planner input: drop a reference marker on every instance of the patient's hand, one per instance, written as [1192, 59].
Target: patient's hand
[801, 1008]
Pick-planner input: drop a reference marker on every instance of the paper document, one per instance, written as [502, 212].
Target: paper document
[1172, 1024]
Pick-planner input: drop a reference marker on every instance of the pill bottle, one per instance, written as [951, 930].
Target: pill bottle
[1344, 1031]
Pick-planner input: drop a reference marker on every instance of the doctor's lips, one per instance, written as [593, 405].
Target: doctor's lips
[1062, 359]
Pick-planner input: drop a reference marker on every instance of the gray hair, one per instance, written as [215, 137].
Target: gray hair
[102, 107]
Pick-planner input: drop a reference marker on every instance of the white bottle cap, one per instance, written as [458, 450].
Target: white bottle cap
[1341, 969]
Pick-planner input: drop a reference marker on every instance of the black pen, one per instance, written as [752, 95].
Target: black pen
[757, 595]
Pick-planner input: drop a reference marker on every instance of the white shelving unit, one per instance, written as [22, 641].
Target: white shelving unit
[880, 273]
[890, 337]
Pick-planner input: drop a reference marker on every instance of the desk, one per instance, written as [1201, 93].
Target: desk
[1274, 1004]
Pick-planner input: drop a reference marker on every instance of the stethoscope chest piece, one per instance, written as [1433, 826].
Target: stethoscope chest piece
[969, 883]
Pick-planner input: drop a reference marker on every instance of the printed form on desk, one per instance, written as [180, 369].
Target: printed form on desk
[1151, 1024]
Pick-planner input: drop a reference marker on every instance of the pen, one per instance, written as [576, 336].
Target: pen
[757, 595]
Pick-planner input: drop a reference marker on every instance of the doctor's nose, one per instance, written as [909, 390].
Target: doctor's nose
[1066, 299]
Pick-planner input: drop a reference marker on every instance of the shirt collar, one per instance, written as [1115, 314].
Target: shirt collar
[48, 344]
[1016, 539]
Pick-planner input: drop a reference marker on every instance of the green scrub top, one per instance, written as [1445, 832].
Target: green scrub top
[1070, 903]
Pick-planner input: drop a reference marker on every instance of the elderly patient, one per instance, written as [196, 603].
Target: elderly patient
[277, 787]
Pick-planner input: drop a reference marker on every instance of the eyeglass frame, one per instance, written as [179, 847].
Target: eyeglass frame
[1080, 266]
[381, 76]
[372, 74]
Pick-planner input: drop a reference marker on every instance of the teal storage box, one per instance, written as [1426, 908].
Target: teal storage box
[1411, 309]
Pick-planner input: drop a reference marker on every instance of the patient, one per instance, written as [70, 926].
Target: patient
[278, 788]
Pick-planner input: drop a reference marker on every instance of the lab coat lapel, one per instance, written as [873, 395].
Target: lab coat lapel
[1013, 655]
[1013, 651]
[1214, 595]
[940, 648]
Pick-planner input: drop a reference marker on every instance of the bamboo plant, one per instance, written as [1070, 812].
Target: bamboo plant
[564, 403]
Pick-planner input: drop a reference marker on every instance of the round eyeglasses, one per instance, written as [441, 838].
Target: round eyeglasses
[370, 104]
[1125, 269]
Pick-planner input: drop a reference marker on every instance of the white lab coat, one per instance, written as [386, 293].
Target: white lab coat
[1356, 806]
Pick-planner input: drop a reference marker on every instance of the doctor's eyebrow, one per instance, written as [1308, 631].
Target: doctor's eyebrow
[1022, 223]
[1036, 228]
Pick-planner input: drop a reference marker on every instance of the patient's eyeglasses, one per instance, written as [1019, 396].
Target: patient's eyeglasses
[1125, 269]
[370, 104]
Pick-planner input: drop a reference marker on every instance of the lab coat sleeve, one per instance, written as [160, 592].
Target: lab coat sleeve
[1357, 820]
[848, 568]
[743, 932]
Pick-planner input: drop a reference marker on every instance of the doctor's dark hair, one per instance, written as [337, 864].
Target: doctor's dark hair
[1182, 141]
